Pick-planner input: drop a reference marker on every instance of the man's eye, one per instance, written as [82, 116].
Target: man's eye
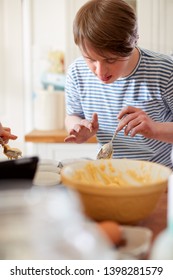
[111, 61]
[88, 58]
[91, 60]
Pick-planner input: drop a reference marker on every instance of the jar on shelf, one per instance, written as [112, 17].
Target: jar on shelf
[49, 109]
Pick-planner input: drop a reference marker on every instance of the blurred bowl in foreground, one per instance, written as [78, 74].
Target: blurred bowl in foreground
[122, 190]
[138, 243]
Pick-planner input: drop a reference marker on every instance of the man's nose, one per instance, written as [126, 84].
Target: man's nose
[100, 69]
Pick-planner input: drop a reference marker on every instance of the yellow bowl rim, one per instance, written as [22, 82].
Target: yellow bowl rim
[81, 186]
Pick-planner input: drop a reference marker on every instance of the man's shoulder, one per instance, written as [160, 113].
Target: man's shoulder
[78, 63]
[156, 57]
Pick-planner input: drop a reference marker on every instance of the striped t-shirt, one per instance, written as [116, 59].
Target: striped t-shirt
[149, 87]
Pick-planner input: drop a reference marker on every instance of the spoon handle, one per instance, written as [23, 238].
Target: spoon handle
[115, 134]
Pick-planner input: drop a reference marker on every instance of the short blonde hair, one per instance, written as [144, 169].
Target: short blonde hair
[107, 25]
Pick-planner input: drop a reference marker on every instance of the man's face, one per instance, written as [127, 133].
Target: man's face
[107, 68]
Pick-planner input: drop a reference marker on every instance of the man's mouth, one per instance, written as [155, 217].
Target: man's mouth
[106, 79]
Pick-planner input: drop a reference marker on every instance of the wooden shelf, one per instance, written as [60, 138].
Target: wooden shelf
[50, 136]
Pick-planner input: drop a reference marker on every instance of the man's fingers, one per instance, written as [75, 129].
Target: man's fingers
[94, 121]
[70, 139]
[127, 110]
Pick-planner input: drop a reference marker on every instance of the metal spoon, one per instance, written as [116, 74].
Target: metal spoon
[11, 153]
[106, 150]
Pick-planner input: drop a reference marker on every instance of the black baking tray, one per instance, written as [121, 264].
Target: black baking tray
[23, 168]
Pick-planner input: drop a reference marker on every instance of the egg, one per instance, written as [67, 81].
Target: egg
[112, 230]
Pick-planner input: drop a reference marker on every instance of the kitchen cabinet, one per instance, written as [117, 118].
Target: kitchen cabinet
[50, 145]
[60, 152]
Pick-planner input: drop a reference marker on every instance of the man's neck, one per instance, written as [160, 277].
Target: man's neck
[133, 61]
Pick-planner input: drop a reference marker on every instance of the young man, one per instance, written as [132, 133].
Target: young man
[117, 85]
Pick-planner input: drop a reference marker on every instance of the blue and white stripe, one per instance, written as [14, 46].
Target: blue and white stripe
[149, 87]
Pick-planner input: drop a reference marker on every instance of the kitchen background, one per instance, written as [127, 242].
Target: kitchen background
[36, 47]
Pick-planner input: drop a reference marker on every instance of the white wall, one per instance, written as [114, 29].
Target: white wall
[2, 60]
[11, 69]
[155, 19]
[52, 27]
[47, 33]
[44, 30]
[48, 26]
[71, 50]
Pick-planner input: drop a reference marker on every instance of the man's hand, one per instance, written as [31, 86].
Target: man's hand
[83, 131]
[135, 121]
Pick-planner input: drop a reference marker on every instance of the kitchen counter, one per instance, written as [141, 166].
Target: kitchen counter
[50, 136]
